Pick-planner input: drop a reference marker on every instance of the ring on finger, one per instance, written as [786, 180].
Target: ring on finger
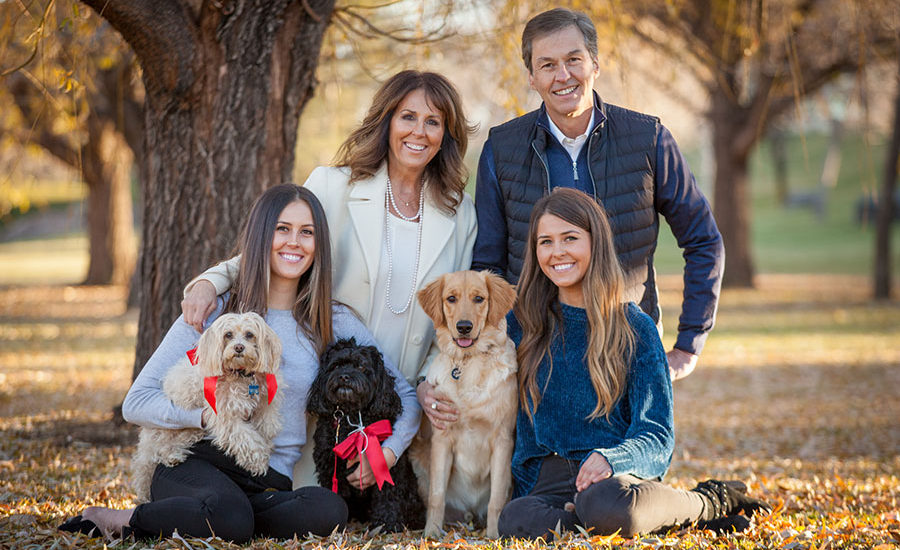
[434, 405]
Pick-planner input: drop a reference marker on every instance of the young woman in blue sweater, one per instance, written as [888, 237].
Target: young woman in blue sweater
[285, 276]
[594, 431]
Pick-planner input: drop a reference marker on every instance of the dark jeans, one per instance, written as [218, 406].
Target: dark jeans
[622, 503]
[210, 494]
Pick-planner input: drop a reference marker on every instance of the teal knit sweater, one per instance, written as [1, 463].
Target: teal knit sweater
[637, 438]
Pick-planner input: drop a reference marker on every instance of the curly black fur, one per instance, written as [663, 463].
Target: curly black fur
[352, 380]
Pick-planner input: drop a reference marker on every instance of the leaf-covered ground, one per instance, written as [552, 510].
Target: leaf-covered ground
[796, 394]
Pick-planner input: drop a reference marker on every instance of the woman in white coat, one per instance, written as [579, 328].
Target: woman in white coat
[399, 218]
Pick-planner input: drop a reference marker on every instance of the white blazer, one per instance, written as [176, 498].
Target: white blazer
[355, 214]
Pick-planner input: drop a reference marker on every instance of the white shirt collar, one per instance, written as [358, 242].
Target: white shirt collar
[571, 145]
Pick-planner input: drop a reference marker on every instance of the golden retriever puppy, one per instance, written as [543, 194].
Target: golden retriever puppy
[468, 463]
[236, 378]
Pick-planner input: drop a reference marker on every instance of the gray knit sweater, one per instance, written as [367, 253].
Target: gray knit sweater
[146, 405]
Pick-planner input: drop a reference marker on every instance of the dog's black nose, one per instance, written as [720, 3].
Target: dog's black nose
[464, 327]
[344, 378]
[239, 348]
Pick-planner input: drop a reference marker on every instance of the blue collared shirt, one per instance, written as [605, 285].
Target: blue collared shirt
[677, 198]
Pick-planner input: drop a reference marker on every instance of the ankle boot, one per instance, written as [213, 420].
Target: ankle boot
[727, 498]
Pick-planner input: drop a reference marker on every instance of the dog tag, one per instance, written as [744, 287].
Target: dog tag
[253, 389]
[455, 373]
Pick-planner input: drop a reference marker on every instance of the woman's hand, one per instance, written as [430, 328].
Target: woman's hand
[198, 303]
[594, 469]
[440, 412]
[364, 472]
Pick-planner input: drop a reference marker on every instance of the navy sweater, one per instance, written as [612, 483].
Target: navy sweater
[637, 438]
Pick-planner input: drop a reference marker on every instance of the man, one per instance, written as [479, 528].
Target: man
[627, 160]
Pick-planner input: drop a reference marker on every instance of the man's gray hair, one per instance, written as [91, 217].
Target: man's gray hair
[555, 20]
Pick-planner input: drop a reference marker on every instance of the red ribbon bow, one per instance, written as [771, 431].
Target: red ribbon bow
[365, 440]
[209, 383]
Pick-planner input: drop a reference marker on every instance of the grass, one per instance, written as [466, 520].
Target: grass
[56, 260]
[30, 194]
[784, 240]
[794, 239]
[795, 394]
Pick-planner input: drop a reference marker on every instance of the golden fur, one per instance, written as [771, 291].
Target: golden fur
[240, 349]
[469, 461]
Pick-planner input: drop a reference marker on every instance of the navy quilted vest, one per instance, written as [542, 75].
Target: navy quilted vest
[622, 163]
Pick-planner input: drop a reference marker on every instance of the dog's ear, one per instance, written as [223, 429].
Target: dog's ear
[431, 300]
[385, 401]
[269, 343]
[316, 396]
[501, 300]
[211, 346]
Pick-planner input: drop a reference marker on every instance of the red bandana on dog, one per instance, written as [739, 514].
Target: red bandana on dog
[209, 383]
[365, 440]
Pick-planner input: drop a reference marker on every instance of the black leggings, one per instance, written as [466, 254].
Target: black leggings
[622, 503]
[209, 494]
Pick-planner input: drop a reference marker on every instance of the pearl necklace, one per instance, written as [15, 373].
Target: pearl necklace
[390, 194]
[388, 202]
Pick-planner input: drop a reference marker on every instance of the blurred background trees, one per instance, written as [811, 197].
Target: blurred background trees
[71, 87]
[227, 82]
[754, 61]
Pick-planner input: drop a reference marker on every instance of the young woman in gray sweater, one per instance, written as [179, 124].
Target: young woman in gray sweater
[594, 431]
[285, 276]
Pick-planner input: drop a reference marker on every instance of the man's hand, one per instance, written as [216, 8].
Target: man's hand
[364, 472]
[595, 468]
[681, 363]
[198, 303]
[440, 413]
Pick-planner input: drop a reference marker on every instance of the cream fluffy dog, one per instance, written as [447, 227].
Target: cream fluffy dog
[469, 461]
[235, 377]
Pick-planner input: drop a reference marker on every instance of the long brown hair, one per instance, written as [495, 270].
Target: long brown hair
[250, 292]
[367, 147]
[610, 340]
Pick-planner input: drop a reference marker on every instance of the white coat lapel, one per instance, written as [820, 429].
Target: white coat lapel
[366, 206]
[436, 231]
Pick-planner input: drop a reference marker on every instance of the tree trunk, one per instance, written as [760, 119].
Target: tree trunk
[778, 148]
[731, 197]
[225, 89]
[885, 216]
[107, 164]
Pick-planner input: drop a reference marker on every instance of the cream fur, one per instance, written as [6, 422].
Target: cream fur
[468, 463]
[245, 424]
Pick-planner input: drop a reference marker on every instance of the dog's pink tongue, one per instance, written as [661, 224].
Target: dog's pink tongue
[464, 342]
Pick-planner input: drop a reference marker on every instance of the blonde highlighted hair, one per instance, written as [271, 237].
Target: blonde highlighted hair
[610, 338]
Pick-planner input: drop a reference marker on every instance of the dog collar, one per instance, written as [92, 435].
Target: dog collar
[210, 382]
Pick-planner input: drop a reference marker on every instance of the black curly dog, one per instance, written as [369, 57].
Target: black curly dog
[352, 380]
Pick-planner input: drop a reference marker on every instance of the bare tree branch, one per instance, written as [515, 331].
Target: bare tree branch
[347, 16]
[40, 31]
[157, 31]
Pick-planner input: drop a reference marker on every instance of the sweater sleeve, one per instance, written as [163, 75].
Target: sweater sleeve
[646, 450]
[347, 325]
[680, 201]
[146, 404]
[221, 276]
